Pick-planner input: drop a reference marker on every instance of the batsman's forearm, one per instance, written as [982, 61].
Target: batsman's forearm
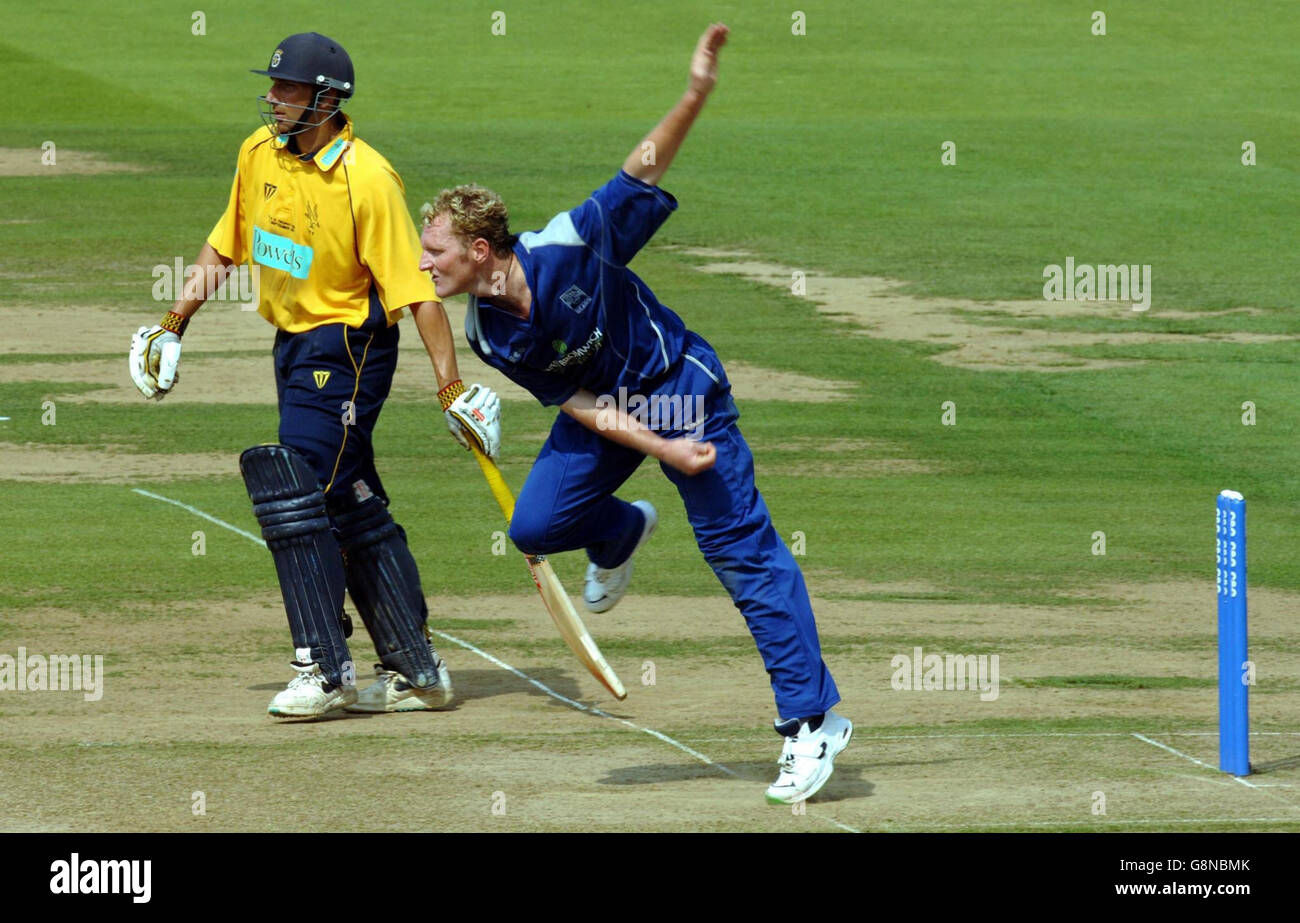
[605, 418]
[435, 331]
[203, 279]
[650, 159]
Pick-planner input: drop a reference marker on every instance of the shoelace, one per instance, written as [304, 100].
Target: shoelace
[786, 760]
[393, 675]
[305, 678]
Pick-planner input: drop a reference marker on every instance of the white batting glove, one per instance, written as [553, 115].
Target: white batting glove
[155, 353]
[475, 416]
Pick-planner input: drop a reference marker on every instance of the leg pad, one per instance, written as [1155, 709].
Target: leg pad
[290, 507]
[385, 586]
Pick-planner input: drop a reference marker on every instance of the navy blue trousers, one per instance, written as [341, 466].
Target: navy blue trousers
[568, 502]
[332, 383]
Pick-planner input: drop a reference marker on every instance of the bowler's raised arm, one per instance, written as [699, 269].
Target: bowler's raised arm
[649, 160]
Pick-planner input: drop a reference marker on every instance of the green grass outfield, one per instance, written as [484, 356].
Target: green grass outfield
[819, 151]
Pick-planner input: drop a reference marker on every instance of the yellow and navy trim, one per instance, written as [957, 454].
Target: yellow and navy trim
[447, 396]
[175, 323]
[356, 386]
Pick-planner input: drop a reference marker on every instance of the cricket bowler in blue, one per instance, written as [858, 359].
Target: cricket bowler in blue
[560, 314]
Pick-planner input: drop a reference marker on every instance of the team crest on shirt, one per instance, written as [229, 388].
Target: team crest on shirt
[560, 346]
[313, 219]
[575, 299]
[581, 355]
[321, 377]
[268, 190]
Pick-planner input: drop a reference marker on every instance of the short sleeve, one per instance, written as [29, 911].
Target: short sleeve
[619, 218]
[227, 238]
[389, 244]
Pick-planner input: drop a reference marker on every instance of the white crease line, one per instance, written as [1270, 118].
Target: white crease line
[1101, 822]
[866, 736]
[578, 705]
[591, 709]
[501, 663]
[1156, 743]
[200, 513]
[484, 654]
[1206, 779]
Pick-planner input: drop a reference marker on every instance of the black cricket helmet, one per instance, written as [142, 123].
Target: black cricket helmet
[315, 60]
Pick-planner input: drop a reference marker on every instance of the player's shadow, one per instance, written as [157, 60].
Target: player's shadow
[847, 782]
[1290, 762]
[882, 764]
[472, 685]
[477, 685]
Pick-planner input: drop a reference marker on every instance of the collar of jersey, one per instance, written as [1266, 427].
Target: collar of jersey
[331, 153]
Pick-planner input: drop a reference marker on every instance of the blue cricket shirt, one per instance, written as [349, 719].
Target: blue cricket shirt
[593, 323]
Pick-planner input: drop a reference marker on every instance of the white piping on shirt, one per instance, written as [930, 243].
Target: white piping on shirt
[691, 358]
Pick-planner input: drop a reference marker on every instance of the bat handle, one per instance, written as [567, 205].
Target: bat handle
[505, 499]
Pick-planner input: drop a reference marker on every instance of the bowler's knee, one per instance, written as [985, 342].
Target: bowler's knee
[529, 532]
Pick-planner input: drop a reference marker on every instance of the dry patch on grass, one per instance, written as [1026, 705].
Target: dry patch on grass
[829, 580]
[846, 467]
[96, 329]
[755, 383]
[220, 327]
[29, 161]
[849, 458]
[874, 306]
[110, 464]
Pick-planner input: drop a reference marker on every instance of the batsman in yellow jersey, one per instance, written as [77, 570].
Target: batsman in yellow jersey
[322, 217]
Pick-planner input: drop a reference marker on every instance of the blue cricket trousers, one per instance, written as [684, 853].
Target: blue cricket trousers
[568, 502]
[332, 383]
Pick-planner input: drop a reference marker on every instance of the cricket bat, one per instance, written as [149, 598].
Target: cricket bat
[556, 599]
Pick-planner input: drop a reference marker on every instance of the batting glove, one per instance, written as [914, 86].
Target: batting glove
[155, 353]
[475, 417]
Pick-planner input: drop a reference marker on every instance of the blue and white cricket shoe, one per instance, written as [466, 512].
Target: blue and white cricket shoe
[605, 587]
[808, 757]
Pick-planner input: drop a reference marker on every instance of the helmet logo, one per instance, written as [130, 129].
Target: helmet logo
[275, 58]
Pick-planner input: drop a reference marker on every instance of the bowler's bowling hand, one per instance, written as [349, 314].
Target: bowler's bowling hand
[688, 456]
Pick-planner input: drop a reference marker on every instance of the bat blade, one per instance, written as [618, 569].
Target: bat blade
[571, 627]
[557, 602]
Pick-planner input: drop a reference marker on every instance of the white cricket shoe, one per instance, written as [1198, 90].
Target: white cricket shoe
[808, 757]
[605, 587]
[309, 696]
[391, 692]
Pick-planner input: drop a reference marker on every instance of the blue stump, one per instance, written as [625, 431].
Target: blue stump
[1234, 712]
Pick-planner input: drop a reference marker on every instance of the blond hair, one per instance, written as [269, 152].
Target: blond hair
[473, 211]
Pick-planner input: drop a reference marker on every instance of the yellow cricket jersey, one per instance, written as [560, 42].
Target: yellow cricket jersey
[331, 237]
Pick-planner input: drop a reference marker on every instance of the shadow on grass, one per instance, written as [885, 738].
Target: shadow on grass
[847, 782]
[1290, 762]
[477, 685]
